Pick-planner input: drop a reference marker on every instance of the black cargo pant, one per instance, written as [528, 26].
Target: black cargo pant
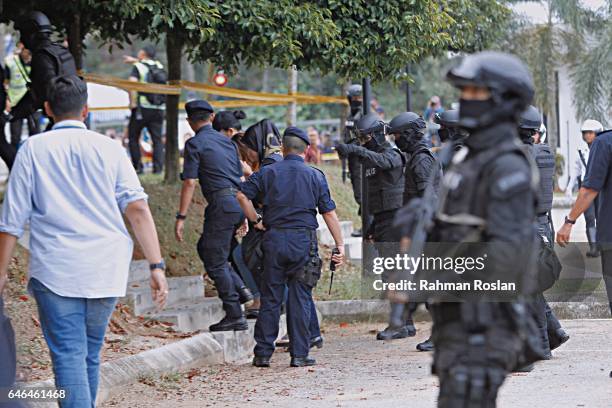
[153, 120]
[606, 269]
[471, 366]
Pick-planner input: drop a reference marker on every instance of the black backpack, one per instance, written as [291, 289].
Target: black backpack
[155, 75]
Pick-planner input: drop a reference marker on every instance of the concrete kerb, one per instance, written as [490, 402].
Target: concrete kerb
[200, 350]
[378, 310]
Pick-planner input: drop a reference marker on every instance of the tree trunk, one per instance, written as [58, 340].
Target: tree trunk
[174, 48]
[75, 40]
[293, 86]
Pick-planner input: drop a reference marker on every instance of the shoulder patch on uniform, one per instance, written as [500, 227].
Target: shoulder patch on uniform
[508, 185]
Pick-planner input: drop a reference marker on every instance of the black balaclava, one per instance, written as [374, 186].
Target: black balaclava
[263, 137]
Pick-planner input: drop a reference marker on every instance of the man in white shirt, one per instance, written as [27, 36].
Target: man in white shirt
[73, 186]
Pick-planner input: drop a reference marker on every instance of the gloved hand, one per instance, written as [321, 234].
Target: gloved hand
[407, 217]
[345, 149]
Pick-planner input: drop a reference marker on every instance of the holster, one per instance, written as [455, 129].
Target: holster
[312, 270]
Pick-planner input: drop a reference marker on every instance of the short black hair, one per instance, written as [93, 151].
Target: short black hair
[294, 144]
[200, 116]
[67, 95]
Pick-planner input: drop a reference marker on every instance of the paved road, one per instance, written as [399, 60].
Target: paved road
[356, 371]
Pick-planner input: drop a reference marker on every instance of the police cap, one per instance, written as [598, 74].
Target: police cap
[297, 132]
[199, 105]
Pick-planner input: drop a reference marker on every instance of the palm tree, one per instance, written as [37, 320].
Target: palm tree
[574, 35]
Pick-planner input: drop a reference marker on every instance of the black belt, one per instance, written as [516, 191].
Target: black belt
[544, 214]
[311, 231]
[230, 191]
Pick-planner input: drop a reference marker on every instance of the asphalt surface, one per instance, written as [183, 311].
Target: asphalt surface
[355, 370]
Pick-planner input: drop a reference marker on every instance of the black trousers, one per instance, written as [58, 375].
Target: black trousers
[17, 128]
[7, 151]
[153, 120]
[606, 269]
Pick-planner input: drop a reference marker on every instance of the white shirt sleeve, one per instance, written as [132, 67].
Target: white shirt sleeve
[17, 206]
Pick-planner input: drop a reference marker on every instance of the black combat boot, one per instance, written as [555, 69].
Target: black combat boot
[302, 361]
[228, 323]
[557, 338]
[593, 252]
[261, 361]
[393, 333]
[246, 297]
[426, 345]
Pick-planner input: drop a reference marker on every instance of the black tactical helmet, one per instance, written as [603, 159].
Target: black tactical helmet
[32, 28]
[448, 118]
[34, 22]
[530, 119]
[506, 77]
[405, 121]
[354, 90]
[370, 125]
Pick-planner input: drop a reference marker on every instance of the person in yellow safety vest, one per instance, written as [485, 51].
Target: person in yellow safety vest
[17, 76]
[147, 109]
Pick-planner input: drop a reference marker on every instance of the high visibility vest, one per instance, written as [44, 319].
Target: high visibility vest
[143, 70]
[19, 79]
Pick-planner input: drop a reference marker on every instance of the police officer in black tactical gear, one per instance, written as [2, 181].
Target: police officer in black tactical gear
[49, 60]
[408, 129]
[384, 169]
[354, 95]
[485, 196]
[552, 334]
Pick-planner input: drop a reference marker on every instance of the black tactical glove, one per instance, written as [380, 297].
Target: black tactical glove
[345, 149]
[407, 217]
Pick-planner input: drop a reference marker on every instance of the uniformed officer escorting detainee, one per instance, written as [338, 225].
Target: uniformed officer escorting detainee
[292, 193]
[213, 159]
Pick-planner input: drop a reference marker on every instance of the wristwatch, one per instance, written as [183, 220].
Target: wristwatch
[180, 216]
[259, 218]
[568, 221]
[161, 265]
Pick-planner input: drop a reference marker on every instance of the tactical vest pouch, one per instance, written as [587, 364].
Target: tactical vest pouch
[312, 269]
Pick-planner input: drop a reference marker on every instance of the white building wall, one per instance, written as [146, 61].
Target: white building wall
[570, 137]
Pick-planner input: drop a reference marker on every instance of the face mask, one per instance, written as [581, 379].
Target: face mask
[471, 111]
[371, 144]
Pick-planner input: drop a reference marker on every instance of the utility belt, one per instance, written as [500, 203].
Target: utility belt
[311, 273]
[542, 214]
[230, 191]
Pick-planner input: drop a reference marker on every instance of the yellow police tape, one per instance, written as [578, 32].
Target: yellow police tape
[243, 98]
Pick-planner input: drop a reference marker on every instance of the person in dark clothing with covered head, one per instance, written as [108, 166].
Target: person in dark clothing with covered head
[409, 129]
[487, 196]
[551, 332]
[384, 170]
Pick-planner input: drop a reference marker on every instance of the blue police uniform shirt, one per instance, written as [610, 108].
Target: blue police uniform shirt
[213, 159]
[599, 177]
[292, 192]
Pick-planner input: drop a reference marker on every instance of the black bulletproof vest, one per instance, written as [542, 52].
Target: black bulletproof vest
[385, 187]
[545, 160]
[411, 189]
[463, 194]
[64, 61]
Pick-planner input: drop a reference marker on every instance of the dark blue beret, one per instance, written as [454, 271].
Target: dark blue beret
[296, 131]
[192, 107]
